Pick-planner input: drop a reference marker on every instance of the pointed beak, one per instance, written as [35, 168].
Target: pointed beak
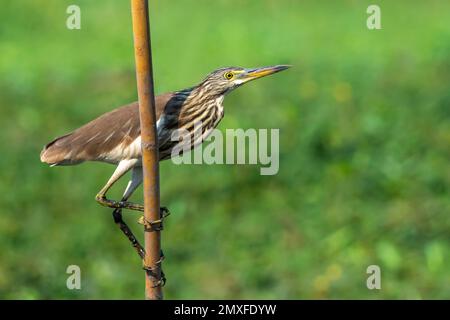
[251, 74]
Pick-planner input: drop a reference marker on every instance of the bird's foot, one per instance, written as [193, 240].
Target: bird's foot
[101, 199]
[156, 225]
[153, 271]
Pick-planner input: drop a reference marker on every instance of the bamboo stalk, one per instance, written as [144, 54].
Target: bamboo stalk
[150, 163]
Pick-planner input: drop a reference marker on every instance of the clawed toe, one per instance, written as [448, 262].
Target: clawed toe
[156, 225]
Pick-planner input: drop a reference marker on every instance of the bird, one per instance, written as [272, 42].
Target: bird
[114, 137]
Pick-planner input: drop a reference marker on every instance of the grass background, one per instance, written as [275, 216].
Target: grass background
[364, 174]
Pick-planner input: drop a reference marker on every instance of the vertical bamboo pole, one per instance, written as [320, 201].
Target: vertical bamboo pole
[144, 77]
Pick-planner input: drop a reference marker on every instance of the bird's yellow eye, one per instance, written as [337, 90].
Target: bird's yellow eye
[228, 75]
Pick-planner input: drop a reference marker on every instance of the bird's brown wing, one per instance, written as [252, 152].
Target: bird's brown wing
[100, 136]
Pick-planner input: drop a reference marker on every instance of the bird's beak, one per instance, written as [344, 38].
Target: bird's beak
[251, 74]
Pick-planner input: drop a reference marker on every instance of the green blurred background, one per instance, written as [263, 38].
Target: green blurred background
[364, 174]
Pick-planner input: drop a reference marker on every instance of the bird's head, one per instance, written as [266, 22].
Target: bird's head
[224, 80]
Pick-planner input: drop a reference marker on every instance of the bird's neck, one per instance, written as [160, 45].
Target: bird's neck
[197, 98]
[199, 106]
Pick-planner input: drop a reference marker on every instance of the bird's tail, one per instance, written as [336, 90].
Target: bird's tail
[56, 153]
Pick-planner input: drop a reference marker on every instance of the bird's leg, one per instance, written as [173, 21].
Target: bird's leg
[122, 168]
[117, 216]
[136, 180]
[133, 184]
